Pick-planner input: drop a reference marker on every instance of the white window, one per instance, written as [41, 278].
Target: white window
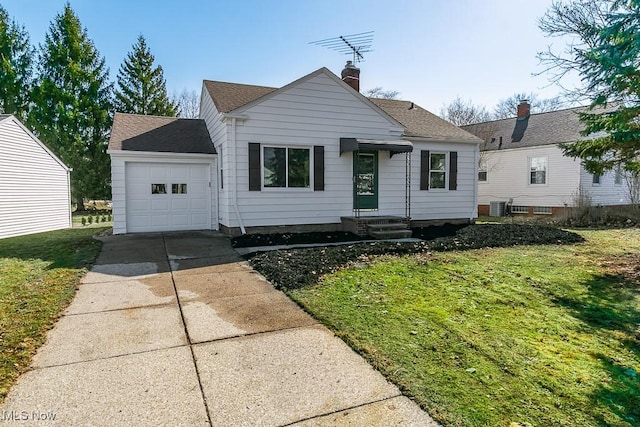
[595, 179]
[542, 210]
[178, 188]
[437, 170]
[158, 188]
[482, 171]
[617, 180]
[286, 167]
[538, 170]
[519, 209]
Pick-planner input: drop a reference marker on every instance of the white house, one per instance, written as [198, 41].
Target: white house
[521, 164]
[34, 183]
[312, 155]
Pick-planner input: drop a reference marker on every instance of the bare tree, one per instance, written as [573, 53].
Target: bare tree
[379, 92]
[508, 107]
[461, 112]
[188, 103]
[632, 184]
[578, 21]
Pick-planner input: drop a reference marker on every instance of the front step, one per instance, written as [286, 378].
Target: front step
[385, 227]
[390, 234]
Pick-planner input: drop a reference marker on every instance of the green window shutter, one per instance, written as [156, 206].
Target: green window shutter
[318, 168]
[424, 169]
[453, 170]
[255, 180]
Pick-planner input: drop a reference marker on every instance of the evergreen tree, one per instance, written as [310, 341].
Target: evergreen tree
[141, 86]
[72, 99]
[16, 66]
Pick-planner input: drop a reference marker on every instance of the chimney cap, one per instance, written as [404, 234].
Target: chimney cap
[524, 101]
[350, 65]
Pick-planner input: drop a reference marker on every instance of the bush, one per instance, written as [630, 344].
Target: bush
[84, 221]
[295, 268]
[90, 220]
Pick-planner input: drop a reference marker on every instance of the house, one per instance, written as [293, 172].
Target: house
[34, 183]
[313, 155]
[522, 165]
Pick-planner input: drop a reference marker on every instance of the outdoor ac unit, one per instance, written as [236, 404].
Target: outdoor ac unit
[497, 208]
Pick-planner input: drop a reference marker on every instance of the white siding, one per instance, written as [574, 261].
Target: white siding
[318, 111]
[34, 187]
[508, 177]
[607, 192]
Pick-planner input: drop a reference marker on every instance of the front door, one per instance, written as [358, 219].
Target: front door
[365, 179]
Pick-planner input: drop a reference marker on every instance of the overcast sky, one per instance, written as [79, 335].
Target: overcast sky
[429, 50]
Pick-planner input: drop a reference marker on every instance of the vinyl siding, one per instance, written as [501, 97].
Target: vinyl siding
[319, 111]
[607, 192]
[508, 178]
[34, 187]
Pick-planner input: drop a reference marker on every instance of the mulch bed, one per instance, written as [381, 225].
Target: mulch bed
[251, 240]
[295, 268]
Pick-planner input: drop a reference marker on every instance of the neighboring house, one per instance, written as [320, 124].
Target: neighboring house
[522, 165]
[312, 155]
[34, 183]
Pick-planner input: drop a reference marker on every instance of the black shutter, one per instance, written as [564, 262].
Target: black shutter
[318, 168]
[453, 170]
[255, 183]
[424, 169]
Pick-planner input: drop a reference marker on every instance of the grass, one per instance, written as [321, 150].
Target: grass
[545, 335]
[38, 277]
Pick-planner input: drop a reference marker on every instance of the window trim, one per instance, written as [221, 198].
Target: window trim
[485, 170]
[596, 180]
[546, 172]
[286, 188]
[446, 171]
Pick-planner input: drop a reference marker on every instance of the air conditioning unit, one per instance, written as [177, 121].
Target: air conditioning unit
[497, 208]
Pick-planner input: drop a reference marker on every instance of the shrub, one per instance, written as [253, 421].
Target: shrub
[84, 221]
[90, 219]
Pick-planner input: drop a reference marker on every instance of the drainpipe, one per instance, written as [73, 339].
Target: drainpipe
[476, 158]
[234, 190]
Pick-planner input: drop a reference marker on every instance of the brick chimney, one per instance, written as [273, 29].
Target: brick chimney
[351, 75]
[524, 109]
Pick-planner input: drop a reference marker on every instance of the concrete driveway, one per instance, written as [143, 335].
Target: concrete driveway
[176, 329]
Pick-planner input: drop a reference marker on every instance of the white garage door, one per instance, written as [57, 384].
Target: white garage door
[167, 197]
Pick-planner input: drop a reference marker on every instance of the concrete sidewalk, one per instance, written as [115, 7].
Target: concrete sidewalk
[176, 329]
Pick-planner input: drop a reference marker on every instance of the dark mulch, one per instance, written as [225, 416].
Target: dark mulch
[250, 240]
[295, 268]
[435, 231]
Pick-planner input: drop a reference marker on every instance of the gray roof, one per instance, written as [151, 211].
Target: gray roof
[417, 121]
[538, 129]
[134, 132]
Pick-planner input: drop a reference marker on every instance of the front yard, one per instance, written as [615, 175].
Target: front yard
[545, 335]
[38, 277]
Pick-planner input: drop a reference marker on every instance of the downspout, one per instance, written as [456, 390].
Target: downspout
[476, 158]
[234, 190]
[69, 196]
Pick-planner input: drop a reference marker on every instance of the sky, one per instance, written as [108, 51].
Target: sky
[431, 51]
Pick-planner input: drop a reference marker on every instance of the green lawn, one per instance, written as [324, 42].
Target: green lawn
[38, 277]
[545, 335]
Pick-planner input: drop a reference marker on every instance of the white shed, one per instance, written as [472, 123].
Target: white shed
[34, 183]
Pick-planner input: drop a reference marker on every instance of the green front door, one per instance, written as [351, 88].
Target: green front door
[365, 179]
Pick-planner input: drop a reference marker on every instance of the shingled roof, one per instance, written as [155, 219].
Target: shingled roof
[417, 121]
[538, 129]
[134, 132]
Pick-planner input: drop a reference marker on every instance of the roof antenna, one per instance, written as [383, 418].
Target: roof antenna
[354, 44]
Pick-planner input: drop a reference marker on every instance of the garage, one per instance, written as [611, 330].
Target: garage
[163, 174]
[167, 197]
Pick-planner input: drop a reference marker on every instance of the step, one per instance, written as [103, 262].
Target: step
[390, 234]
[389, 226]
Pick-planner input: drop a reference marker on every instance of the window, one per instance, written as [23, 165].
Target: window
[519, 209]
[595, 180]
[542, 210]
[158, 189]
[179, 188]
[617, 180]
[286, 167]
[482, 172]
[438, 170]
[538, 170]
[220, 163]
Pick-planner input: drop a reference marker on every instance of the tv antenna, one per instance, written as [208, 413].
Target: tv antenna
[354, 44]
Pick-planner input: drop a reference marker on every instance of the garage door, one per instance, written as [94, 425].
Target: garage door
[167, 197]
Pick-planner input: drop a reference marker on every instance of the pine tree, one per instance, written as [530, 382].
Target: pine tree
[141, 86]
[72, 100]
[16, 66]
